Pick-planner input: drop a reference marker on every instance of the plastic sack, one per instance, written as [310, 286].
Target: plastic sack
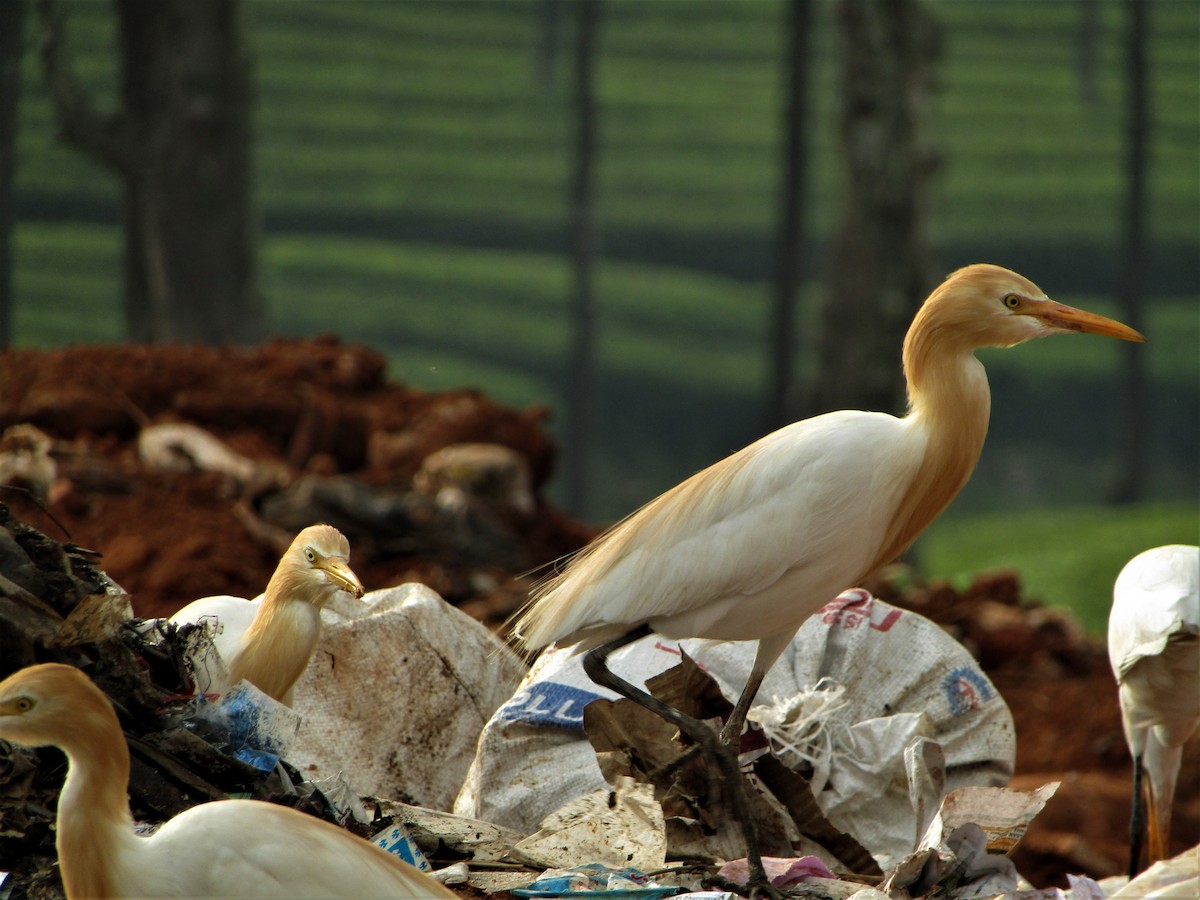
[860, 682]
[396, 693]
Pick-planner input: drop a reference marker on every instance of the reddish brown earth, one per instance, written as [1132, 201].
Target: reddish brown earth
[326, 409]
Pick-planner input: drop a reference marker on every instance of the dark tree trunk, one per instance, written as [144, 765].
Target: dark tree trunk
[1088, 38]
[1134, 424]
[880, 260]
[581, 360]
[550, 29]
[790, 241]
[181, 145]
[12, 13]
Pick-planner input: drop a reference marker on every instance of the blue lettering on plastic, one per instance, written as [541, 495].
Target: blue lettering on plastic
[549, 703]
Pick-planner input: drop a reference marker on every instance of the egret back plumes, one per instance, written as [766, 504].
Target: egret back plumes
[269, 643]
[227, 848]
[1154, 648]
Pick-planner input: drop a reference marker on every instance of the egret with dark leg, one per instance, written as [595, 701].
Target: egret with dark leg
[748, 548]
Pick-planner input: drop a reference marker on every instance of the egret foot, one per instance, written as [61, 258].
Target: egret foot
[724, 756]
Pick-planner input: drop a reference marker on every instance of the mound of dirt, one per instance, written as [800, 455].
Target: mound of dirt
[188, 469]
[331, 437]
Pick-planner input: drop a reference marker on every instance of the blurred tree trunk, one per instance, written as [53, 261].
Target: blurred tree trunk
[12, 13]
[1134, 423]
[790, 241]
[581, 359]
[550, 29]
[879, 263]
[1088, 38]
[181, 145]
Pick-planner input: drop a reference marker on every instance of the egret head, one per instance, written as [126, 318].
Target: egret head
[40, 705]
[989, 306]
[317, 565]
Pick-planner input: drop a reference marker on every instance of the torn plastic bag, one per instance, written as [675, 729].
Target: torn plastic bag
[872, 663]
[247, 724]
[396, 693]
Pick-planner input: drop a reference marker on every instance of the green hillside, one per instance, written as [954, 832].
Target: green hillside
[412, 161]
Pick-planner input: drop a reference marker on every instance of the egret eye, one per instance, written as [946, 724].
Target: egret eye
[310, 554]
[1012, 301]
[24, 704]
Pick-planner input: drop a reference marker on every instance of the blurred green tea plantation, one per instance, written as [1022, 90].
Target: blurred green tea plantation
[413, 160]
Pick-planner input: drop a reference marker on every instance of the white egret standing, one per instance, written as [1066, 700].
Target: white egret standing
[269, 642]
[227, 848]
[1154, 648]
[749, 547]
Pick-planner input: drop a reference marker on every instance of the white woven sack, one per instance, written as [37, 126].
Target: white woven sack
[870, 679]
[396, 694]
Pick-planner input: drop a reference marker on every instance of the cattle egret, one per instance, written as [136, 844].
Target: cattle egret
[228, 848]
[749, 547]
[1154, 648]
[268, 642]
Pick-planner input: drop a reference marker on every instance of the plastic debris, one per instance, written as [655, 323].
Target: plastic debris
[478, 842]
[910, 681]
[595, 878]
[620, 826]
[400, 713]
[1003, 814]
[254, 727]
[1170, 878]
[396, 840]
[782, 872]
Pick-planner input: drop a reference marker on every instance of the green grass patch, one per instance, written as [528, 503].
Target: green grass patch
[1065, 557]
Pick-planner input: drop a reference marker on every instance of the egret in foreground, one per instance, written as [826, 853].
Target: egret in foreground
[748, 548]
[227, 848]
[269, 642]
[1154, 648]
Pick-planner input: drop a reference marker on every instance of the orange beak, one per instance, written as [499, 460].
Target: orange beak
[1068, 318]
[341, 573]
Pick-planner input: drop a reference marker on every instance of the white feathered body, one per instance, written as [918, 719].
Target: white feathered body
[228, 616]
[709, 543]
[1154, 646]
[245, 848]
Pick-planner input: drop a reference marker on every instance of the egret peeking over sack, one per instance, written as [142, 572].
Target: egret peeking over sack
[748, 548]
[269, 641]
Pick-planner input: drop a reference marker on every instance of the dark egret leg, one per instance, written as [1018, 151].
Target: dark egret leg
[769, 649]
[731, 734]
[1137, 819]
[724, 756]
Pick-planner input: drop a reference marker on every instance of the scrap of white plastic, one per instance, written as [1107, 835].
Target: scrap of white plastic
[455, 873]
[619, 827]
[1084, 888]
[1169, 878]
[216, 640]
[925, 766]
[873, 679]
[396, 693]
[477, 841]
[1003, 814]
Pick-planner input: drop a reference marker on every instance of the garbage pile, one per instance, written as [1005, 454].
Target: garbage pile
[430, 738]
